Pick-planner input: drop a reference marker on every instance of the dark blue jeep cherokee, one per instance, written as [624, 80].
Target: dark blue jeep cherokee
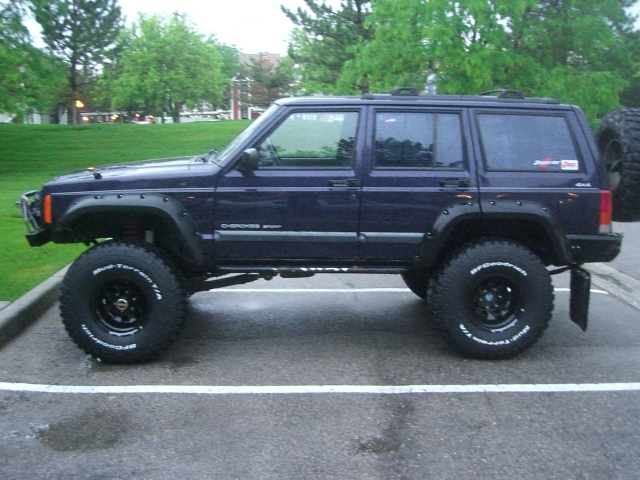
[474, 200]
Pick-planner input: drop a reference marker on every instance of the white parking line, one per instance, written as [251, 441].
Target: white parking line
[339, 290]
[322, 389]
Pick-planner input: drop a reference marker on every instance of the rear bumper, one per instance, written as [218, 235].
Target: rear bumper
[594, 248]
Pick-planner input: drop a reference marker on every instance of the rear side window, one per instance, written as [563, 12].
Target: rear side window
[418, 140]
[527, 143]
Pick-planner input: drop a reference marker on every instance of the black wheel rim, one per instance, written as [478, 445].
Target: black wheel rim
[612, 157]
[495, 303]
[120, 307]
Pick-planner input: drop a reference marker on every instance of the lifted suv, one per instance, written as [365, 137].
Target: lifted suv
[469, 198]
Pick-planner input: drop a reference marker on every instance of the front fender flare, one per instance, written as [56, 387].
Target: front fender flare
[168, 211]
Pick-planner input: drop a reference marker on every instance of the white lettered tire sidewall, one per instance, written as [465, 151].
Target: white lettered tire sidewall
[122, 280]
[519, 288]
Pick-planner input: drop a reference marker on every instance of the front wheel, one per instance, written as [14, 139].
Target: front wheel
[417, 281]
[122, 302]
[492, 299]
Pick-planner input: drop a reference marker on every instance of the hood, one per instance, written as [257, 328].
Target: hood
[143, 171]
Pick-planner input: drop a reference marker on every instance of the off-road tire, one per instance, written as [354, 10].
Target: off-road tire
[492, 299]
[122, 302]
[618, 139]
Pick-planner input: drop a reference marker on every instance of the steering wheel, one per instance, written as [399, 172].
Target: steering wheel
[269, 153]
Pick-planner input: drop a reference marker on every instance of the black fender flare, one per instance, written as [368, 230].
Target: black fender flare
[453, 220]
[167, 210]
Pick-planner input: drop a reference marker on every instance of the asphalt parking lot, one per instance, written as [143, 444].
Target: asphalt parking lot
[336, 376]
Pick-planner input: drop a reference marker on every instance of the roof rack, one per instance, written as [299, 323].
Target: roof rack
[409, 94]
[504, 93]
[413, 91]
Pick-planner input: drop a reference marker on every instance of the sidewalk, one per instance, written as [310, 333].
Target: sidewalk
[621, 278]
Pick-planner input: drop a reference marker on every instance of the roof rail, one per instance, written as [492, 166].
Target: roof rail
[504, 93]
[413, 91]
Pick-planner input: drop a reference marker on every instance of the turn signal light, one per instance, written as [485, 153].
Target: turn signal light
[46, 209]
[606, 209]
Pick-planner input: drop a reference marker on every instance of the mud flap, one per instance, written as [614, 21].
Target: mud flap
[580, 292]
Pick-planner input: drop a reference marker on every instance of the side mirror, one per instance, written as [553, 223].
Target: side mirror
[248, 161]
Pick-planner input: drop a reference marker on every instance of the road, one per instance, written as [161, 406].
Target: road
[359, 334]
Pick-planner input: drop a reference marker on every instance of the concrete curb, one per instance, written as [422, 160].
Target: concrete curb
[618, 284]
[18, 315]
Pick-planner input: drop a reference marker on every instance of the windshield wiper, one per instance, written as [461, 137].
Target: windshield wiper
[210, 156]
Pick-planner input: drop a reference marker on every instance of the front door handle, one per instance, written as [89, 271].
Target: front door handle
[344, 182]
[455, 182]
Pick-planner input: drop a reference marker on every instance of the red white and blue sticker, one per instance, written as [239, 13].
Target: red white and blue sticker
[572, 165]
[565, 165]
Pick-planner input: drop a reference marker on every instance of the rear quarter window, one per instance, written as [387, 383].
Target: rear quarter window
[527, 143]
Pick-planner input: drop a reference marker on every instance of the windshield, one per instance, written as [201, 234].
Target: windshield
[225, 154]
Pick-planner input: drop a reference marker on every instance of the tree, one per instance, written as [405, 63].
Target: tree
[82, 33]
[571, 49]
[325, 40]
[167, 65]
[269, 81]
[28, 78]
[230, 57]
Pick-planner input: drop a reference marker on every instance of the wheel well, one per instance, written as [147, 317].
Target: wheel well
[531, 234]
[154, 228]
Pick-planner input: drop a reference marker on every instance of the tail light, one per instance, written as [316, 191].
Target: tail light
[605, 211]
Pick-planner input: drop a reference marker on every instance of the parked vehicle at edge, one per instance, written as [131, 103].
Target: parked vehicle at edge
[474, 200]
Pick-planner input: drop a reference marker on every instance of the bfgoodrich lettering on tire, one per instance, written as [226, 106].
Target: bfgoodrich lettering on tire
[492, 299]
[122, 302]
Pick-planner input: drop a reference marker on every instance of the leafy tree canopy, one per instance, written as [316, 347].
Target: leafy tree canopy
[82, 33]
[579, 51]
[324, 41]
[166, 65]
[269, 82]
[28, 78]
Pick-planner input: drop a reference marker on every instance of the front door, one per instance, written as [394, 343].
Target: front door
[303, 200]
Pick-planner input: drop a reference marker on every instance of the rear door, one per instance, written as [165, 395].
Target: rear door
[418, 167]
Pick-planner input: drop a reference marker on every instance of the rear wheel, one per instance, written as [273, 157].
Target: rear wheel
[618, 139]
[122, 302]
[492, 299]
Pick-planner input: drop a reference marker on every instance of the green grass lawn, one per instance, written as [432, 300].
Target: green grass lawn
[30, 155]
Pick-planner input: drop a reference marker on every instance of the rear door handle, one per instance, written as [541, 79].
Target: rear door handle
[344, 182]
[455, 182]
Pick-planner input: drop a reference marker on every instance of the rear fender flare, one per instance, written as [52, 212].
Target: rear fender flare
[452, 222]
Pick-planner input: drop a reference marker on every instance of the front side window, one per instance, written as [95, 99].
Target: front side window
[527, 143]
[311, 139]
[418, 140]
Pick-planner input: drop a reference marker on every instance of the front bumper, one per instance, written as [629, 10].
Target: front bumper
[594, 248]
[30, 204]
